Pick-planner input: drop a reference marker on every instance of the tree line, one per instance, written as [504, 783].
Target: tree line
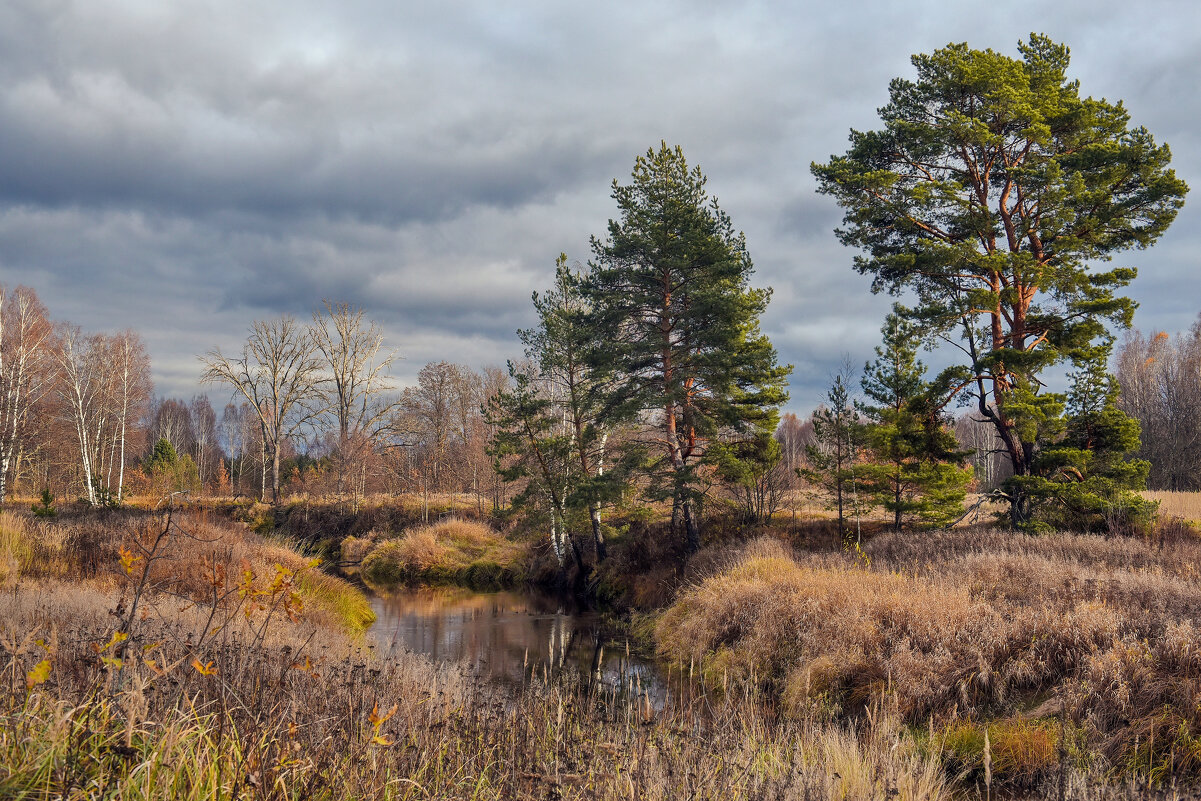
[320, 414]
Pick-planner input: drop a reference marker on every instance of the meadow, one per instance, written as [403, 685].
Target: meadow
[153, 656]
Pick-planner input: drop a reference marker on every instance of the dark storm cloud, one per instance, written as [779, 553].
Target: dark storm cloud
[185, 167]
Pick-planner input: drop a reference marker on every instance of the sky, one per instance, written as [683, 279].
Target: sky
[184, 168]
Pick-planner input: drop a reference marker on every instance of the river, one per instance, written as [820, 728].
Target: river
[511, 636]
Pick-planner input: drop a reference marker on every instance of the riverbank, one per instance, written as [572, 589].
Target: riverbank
[174, 657]
[932, 665]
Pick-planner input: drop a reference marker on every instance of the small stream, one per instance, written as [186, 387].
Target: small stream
[511, 636]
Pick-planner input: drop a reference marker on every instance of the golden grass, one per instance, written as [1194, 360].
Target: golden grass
[304, 712]
[450, 551]
[197, 556]
[1185, 505]
[966, 625]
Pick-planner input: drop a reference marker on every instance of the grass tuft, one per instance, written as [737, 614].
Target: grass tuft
[453, 551]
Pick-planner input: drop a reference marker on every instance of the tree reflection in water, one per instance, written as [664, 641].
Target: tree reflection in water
[512, 636]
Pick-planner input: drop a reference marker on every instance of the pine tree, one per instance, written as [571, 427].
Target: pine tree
[994, 191]
[566, 348]
[838, 434]
[916, 468]
[1084, 480]
[530, 443]
[670, 296]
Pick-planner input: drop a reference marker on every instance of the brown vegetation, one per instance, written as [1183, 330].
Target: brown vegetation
[233, 688]
[968, 626]
[452, 551]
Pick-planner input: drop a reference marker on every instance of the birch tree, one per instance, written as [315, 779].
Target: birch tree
[566, 347]
[26, 372]
[132, 391]
[79, 387]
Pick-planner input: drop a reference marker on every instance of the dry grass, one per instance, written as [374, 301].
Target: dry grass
[199, 557]
[967, 625]
[263, 706]
[451, 551]
[1185, 505]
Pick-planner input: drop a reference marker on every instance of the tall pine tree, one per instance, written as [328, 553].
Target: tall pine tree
[993, 191]
[670, 295]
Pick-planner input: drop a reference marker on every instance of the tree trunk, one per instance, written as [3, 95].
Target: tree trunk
[121, 467]
[275, 475]
[896, 523]
[598, 536]
[692, 531]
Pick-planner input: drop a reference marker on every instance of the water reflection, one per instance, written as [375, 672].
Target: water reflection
[511, 636]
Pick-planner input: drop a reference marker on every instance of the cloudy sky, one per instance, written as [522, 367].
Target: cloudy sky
[185, 167]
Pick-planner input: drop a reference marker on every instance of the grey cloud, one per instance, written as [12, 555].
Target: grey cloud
[186, 167]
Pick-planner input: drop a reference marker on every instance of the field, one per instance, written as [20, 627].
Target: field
[1076, 654]
[1185, 505]
[231, 679]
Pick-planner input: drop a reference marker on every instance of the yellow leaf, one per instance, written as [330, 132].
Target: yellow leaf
[378, 720]
[117, 638]
[380, 739]
[128, 559]
[204, 670]
[39, 674]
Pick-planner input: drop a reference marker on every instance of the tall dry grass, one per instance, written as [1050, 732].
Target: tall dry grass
[198, 556]
[968, 627]
[1185, 505]
[450, 551]
[271, 707]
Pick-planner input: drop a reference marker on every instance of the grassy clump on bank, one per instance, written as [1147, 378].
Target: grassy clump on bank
[452, 551]
[196, 558]
[970, 628]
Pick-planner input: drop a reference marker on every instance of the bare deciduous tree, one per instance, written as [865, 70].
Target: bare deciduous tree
[431, 409]
[359, 388]
[359, 384]
[204, 437]
[79, 386]
[1160, 380]
[25, 371]
[279, 373]
[132, 388]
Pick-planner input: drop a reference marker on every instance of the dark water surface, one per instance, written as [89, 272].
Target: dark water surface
[510, 636]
